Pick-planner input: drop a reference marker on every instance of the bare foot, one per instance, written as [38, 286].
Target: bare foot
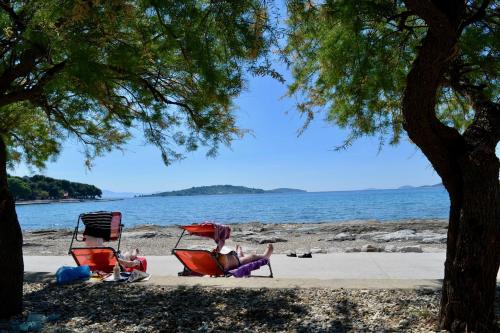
[269, 251]
[239, 251]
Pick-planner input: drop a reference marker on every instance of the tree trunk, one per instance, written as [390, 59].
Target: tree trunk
[471, 267]
[469, 169]
[11, 241]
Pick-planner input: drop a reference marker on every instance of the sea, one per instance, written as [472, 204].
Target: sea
[308, 207]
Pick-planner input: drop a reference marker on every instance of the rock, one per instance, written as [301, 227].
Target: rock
[403, 323]
[266, 240]
[352, 249]
[317, 250]
[435, 239]
[391, 248]
[405, 234]
[415, 248]
[148, 235]
[371, 248]
[343, 236]
[370, 235]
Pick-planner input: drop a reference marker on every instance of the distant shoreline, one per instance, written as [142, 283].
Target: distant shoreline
[54, 201]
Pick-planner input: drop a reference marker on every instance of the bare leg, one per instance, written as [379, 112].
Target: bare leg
[254, 257]
[269, 251]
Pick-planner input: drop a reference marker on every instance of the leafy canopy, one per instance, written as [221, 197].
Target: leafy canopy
[96, 69]
[351, 59]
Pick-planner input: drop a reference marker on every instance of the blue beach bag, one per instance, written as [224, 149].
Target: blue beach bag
[67, 274]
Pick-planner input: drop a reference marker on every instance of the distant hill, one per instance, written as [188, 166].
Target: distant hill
[40, 187]
[406, 187]
[222, 190]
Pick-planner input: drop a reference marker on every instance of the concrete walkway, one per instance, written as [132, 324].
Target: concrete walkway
[334, 270]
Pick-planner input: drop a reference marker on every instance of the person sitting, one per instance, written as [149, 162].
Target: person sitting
[235, 259]
[131, 261]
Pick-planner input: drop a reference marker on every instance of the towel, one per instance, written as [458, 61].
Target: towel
[246, 270]
[221, 233]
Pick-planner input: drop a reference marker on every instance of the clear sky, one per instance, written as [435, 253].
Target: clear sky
[273, 156]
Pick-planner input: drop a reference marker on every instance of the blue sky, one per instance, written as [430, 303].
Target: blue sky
[274, 156]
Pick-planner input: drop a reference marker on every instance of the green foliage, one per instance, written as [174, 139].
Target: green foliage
[351, 58]
[212, 190]
[19, 188]
[41, 187]
[96, 69]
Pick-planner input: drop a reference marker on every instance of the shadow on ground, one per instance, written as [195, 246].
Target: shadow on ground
[112, 307]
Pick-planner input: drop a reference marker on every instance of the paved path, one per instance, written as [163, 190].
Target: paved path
[321, 266]
[338, 270]
[347, 270]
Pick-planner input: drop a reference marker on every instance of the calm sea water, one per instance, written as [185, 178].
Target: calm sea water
[383, 205]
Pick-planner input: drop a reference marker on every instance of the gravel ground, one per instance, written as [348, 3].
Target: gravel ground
[158, 240]
[109, 307]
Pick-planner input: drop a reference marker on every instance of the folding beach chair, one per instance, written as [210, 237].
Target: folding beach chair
[105, 225]
[203, 262]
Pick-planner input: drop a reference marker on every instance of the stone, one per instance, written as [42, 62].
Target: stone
[270, 240]
[352, 249]
[435, 239]
[403, 323]
[343, 236]
[370, 235]
[371, 248]
[414, 248]
[405, 234]
[317, 250]
[391, 248]
[148, 235]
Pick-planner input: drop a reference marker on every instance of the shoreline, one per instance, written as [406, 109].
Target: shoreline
[325, 237]
[56, 201]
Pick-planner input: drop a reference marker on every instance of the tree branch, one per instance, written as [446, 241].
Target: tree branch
[17, 20]
[22, 95]
[478, 15]
[436, 140]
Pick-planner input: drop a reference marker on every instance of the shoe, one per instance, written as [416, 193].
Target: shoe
[305, 255]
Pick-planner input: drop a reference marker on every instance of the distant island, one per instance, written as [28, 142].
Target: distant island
[45, 188]
[407, 187]
[221, 190]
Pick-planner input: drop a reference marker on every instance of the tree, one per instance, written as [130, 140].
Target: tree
[96, 69]
[19, 188]
[429, 67]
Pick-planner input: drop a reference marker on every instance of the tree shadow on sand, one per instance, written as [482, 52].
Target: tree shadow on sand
[112, 306]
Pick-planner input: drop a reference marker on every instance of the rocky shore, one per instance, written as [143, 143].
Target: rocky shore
[352, 236]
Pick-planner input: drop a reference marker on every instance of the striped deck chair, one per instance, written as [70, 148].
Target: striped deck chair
[105, 225]
[203, 262]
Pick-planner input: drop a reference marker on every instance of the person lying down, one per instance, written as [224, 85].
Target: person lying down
[235, 259]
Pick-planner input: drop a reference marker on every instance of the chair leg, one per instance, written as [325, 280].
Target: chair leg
[270, 270]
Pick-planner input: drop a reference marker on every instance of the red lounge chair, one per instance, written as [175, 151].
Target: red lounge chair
[106, 225]
[101, 259]
[201, 262]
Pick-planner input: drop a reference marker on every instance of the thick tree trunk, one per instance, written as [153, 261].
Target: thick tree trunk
[468, 167]
[11, 255]
[473, 250]
[471, 266]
